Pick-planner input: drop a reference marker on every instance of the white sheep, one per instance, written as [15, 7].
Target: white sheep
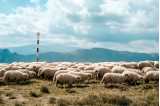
[2, 71]
[151, 76]
[13, 67]
[118, 69]
[156, 64]
[135, 70]
[132, 77]
[112, 78]
[146, 69]
[93, 72]
[12, 76]
[81, 67]
[145, 64]
[31, 74]
[132, 65]
[100, 71]
[67, 78]
[34, 67]
[83, 76]
[89, 67]
[59, 72]
[46, 72]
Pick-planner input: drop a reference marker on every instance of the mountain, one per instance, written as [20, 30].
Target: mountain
[81, 55]
[30, 49]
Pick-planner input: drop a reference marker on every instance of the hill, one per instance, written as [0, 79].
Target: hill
[81, 55]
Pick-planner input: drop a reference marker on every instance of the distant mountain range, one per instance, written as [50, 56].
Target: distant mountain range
[82, 55]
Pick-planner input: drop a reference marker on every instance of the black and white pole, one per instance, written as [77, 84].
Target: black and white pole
[37, 51]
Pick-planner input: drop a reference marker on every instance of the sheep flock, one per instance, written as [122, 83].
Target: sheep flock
[73, 73]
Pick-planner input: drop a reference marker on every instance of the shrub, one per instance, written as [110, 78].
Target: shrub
[35, 94]
[44, 89]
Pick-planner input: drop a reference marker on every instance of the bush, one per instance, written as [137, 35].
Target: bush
[44, 89]
[35, 94]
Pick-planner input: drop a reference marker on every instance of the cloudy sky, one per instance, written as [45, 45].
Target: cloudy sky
[128, 25]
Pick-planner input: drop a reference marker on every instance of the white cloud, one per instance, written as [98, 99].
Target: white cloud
[117, 17]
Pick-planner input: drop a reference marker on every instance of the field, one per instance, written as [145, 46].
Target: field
[45, 93]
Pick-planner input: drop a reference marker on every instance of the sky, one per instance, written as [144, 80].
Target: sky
[125, 25]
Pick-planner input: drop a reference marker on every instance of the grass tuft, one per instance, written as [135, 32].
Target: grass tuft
[35, 94]
[44, 89]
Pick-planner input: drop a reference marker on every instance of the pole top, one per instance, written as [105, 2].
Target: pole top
[38, 33]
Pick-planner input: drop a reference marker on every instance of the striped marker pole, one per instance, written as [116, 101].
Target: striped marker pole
[37, 51]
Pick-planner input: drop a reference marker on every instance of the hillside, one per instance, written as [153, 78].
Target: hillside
[82, 55]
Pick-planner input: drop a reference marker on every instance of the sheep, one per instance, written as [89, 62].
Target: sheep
[146, 69]
[34, 67]
[31, 74]
[12, 76]
[145, 64]
[100, 71]
[133, 65]
[89, 67]
[151, 76]
[46, 72]
[132, 77]
[83, 76]
[58, 72]
[2, 71]
[61, 68]
[156, 64]
[13, 67]
[81, 67]
[112, 78]
[135, 70]
[67, 78]
[92, 72]
[118, 69]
